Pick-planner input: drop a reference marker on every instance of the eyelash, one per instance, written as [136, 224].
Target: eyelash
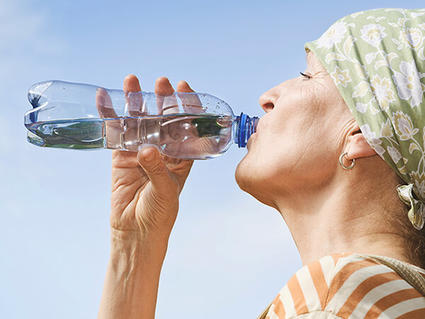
[308, 76]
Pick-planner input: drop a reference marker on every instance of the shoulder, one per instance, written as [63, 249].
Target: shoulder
[364, 288]
[347, 285]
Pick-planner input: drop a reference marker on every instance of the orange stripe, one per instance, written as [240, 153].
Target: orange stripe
[316, 273]
[345, 273]
[274, 302]
[279, 308]
[415, 314]
[362, 289]
[390, 300]
[297, 295]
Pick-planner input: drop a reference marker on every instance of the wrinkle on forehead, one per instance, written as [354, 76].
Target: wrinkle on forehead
[323, 79]
[313, 62]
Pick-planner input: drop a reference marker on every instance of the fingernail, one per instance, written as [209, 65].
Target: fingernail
[148, 155]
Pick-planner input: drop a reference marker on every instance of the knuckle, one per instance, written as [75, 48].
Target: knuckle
[157, 168]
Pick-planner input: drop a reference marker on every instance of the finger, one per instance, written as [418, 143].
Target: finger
[163, 86]
[133, 95]
[179, 167]
[181, 130]
[106, 110]
[183, 86]
[191, 102]
[151, 162]
[131, 83]
[104, 104]
[166, 101]
[133, 107]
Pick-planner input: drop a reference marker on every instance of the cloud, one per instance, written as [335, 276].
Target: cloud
[26, 39]
[17, 24]
[24, 27]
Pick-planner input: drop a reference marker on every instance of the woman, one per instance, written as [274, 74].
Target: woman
[339, 153]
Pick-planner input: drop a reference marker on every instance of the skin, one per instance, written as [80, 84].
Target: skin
[305, 129]
[144, 206]
[302, 178]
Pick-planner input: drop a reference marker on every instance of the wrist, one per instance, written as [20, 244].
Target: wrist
[153, 244]
[132, 276]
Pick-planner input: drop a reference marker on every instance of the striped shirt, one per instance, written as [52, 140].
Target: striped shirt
[348, 286]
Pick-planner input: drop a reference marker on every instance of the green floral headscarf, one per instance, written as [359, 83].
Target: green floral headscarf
[377, 61]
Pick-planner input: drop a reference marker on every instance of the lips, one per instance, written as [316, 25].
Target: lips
[258, 125]
[250, 140]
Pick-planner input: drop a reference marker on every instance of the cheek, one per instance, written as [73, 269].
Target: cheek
[265, 166]
[293, 157]
[295, 146]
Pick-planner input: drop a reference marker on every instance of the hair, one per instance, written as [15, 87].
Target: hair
[415, 241]
[414, 238]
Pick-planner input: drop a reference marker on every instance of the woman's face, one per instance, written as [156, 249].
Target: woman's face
[299, 139]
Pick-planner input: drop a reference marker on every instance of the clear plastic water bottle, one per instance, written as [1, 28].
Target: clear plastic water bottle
[181, 125]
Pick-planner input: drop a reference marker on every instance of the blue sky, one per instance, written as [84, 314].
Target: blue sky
[228, 255]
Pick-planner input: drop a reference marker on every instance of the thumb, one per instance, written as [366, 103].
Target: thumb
[151, 162]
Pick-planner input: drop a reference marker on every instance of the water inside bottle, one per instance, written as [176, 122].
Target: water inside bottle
[195, 136]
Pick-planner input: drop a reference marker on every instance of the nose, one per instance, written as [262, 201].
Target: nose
[267, 100]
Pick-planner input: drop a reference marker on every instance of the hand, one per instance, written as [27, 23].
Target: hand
[145, 184]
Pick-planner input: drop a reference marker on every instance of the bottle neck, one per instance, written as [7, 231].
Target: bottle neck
[245, 127]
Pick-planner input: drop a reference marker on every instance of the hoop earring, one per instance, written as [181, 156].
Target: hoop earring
[341, 161]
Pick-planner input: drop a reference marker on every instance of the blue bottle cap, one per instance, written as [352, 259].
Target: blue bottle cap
[246, 126]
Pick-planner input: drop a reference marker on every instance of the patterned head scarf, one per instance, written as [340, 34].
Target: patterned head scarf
[377, 60]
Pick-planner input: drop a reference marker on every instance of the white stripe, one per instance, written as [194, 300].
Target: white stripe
[309, 290]
[403, 307]
[352, 282]
[343, 261]
[328, 265]
[288, 303]
[271, 314]
[376, 294]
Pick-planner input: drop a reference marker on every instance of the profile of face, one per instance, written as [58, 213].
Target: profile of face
[299, 139]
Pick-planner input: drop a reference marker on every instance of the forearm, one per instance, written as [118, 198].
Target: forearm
[132, 277]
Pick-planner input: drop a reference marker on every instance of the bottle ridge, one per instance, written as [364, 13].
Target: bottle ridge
[181, 125]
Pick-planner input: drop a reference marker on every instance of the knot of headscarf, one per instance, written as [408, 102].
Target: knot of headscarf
[376, 59]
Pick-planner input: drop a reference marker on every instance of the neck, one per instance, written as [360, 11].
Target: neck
[344, 218]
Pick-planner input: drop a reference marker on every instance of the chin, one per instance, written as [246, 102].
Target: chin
[251, 179]
[243, 175]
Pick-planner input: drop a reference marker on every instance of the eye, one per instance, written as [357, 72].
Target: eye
[306, 75]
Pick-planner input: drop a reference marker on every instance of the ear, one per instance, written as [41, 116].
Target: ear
[357, 146]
